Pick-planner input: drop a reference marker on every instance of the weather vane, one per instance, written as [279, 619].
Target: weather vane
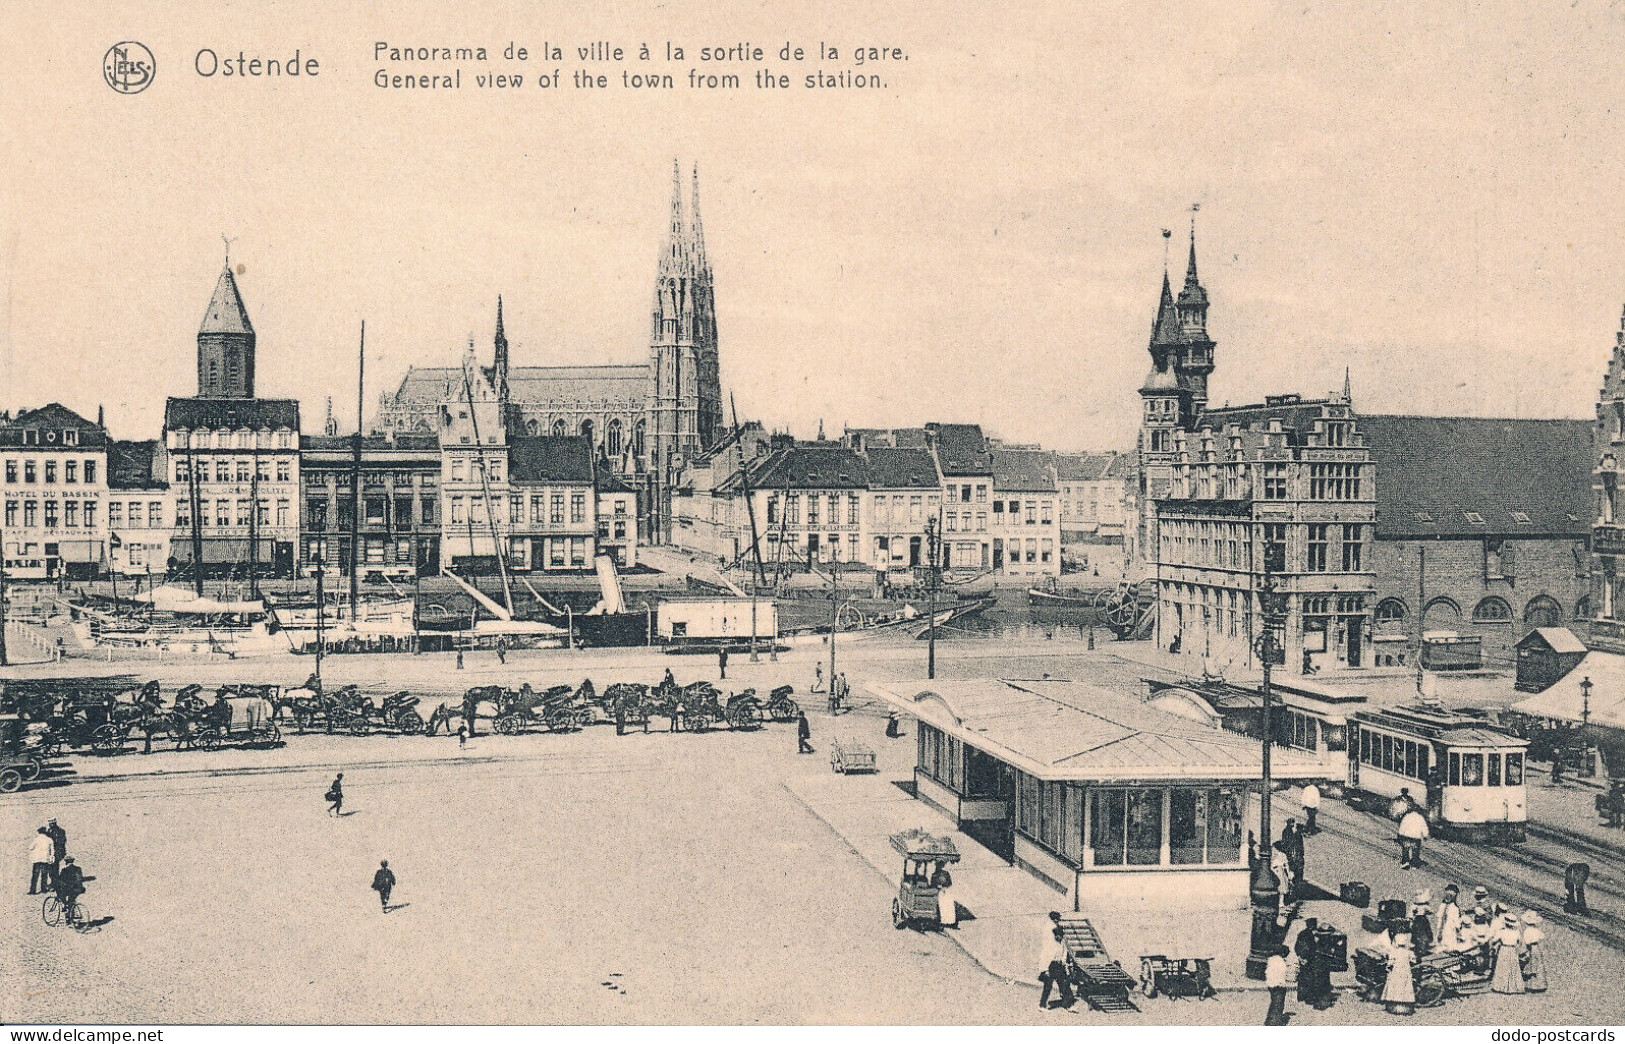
[228, 240]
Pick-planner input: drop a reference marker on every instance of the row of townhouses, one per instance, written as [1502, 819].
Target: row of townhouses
[867, 499]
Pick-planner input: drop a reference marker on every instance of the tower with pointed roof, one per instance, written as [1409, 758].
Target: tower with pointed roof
[225, 344]
[686, 399]
[1195, 356]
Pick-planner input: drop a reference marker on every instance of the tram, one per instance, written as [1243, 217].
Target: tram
[1470, 777]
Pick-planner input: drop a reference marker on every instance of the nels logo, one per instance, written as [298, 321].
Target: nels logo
[129, 67]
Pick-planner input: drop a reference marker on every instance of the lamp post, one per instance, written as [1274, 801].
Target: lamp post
[1586, 768]
[1265, 888]
[321, 635]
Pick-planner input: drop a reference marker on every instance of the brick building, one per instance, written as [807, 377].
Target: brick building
[1481, 524]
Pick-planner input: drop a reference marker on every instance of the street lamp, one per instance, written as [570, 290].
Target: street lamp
[1586, 768]
[1265, 888]
[932, 578]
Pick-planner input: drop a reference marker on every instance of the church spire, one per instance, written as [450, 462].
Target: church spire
[702, 266]
[499, 361]
[674, 261]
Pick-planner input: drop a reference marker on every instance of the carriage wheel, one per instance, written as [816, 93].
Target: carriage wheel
[898, 921]
[507, 725]
[409, 722]
[209, 739]
[358, 727]
[1429, 989]
[109, 739]
[581, 717]
[273, 735]
[697, 721]
[34, 768]
[50, 746]
[1148, 984]
[51, 911]
[11, 781]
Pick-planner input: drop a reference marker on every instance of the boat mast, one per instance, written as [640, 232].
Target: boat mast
[254, 531]
[355, 475]
[196, 497]
[490, 508]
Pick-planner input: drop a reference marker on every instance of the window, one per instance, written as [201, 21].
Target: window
[1494, 774]
[792, 509]
[1334, 482]
[457, 509]
[428, 510]
[115, 514]
[243, 469]
[773, 510]
[1317, 547]
[578, 551]
[1352, 548]
[29, 473]
[1204, 826]
[281, 512]
[30, 514]
[1048, 550]
[50, 472]
[851, 509]
[612, 439]
[1514, 769]
[1274, 482]
[90, 471]
[243, 508]
[374, 511]
[1492, 610]
[1047, 512]
[556, 515]
[1474, 517]
[51, 518]
[1391, 610]
[11, 471]
[262, 468]
[70, 514]
[70, 471]
[812, 510]
[183, 513]
[459, 470]
[1472, 770]
[516, 510]
[284, 471]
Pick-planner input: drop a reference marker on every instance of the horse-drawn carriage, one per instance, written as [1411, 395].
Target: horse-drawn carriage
[247, 720]
[20, 758]
[556, 709]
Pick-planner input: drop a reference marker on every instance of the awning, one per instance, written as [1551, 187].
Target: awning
[80, 550]
[220, 550]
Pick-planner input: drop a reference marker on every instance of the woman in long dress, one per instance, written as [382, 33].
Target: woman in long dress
[1399, 990]
[1508, 974]
[947, 909]
[1534, 967]
[1449, 930]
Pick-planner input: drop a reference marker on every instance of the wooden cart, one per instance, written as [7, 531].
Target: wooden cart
[847, 758]
[1100, 981]
[917, 897]
[1176, 977]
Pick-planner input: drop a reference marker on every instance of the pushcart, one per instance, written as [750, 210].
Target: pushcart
[924, 855]
[847, 758]
[1176, 977]
[1099, 980]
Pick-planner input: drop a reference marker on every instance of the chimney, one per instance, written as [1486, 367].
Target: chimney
[101, 417]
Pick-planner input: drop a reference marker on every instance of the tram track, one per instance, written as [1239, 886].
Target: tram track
[1469, 866]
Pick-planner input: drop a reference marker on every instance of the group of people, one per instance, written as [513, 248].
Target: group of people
[1489, 935]
[53, 869]
[1288, 860]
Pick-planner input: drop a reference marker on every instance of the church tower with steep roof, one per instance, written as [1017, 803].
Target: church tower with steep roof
[225, 344]
[686, 399]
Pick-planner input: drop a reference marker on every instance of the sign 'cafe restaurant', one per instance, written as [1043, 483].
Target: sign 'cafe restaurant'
[1098, 793]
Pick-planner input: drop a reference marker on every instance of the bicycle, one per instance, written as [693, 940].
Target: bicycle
[55, 912]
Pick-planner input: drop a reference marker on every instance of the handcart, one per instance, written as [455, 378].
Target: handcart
[1176, 977]
[924, 856]
[847, 758]
[1099, 980]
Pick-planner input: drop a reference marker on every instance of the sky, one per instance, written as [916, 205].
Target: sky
[1424, 193]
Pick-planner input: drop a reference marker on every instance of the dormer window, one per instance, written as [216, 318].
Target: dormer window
[1474, 518]
[70, 437]
[1521, 517]
[1424, 518]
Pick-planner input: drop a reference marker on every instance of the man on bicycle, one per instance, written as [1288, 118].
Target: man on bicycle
[70, 885]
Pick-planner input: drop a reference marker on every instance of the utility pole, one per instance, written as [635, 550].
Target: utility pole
[1266, 896]
[321, 633]
[1421, 608]
[755, 541]
[3, 660]
[195, 495]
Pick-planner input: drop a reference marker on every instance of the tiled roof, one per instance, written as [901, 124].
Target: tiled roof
[130, 465]
[226, 313]
[50, 420]
[231, 414]
[825, 466]
[1297, 417]
[1436, 476]
[961, 449]
[1023, 471]
[1074, 731]
[402, 443]
[550, 459]
[902, 469]
[533, 384]
[1083, 467]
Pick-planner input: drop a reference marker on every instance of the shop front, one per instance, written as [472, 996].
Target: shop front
[1098, 794]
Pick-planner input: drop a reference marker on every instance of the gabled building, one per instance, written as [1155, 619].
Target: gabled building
[1093, 488]
[52, 488]
[904, 491]
[399, 525]
[1024, 531]
[138, 509]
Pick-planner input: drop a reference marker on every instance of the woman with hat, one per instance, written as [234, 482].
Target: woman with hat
[1399, 989]
[1508, 974]
[1534, 968]
[1449, 933]
[1421, 924]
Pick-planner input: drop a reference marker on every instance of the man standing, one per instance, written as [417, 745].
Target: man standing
[1292, 842]
[59, 846]
[722, 661]
[42, 855]
[335, 795]
[818, 677]
[1574, 880]
[1311, 807]
[1275, 979]
[383, 882]
[1413, 827]
[803, 733]
[1054, 976]
[1310, 965]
